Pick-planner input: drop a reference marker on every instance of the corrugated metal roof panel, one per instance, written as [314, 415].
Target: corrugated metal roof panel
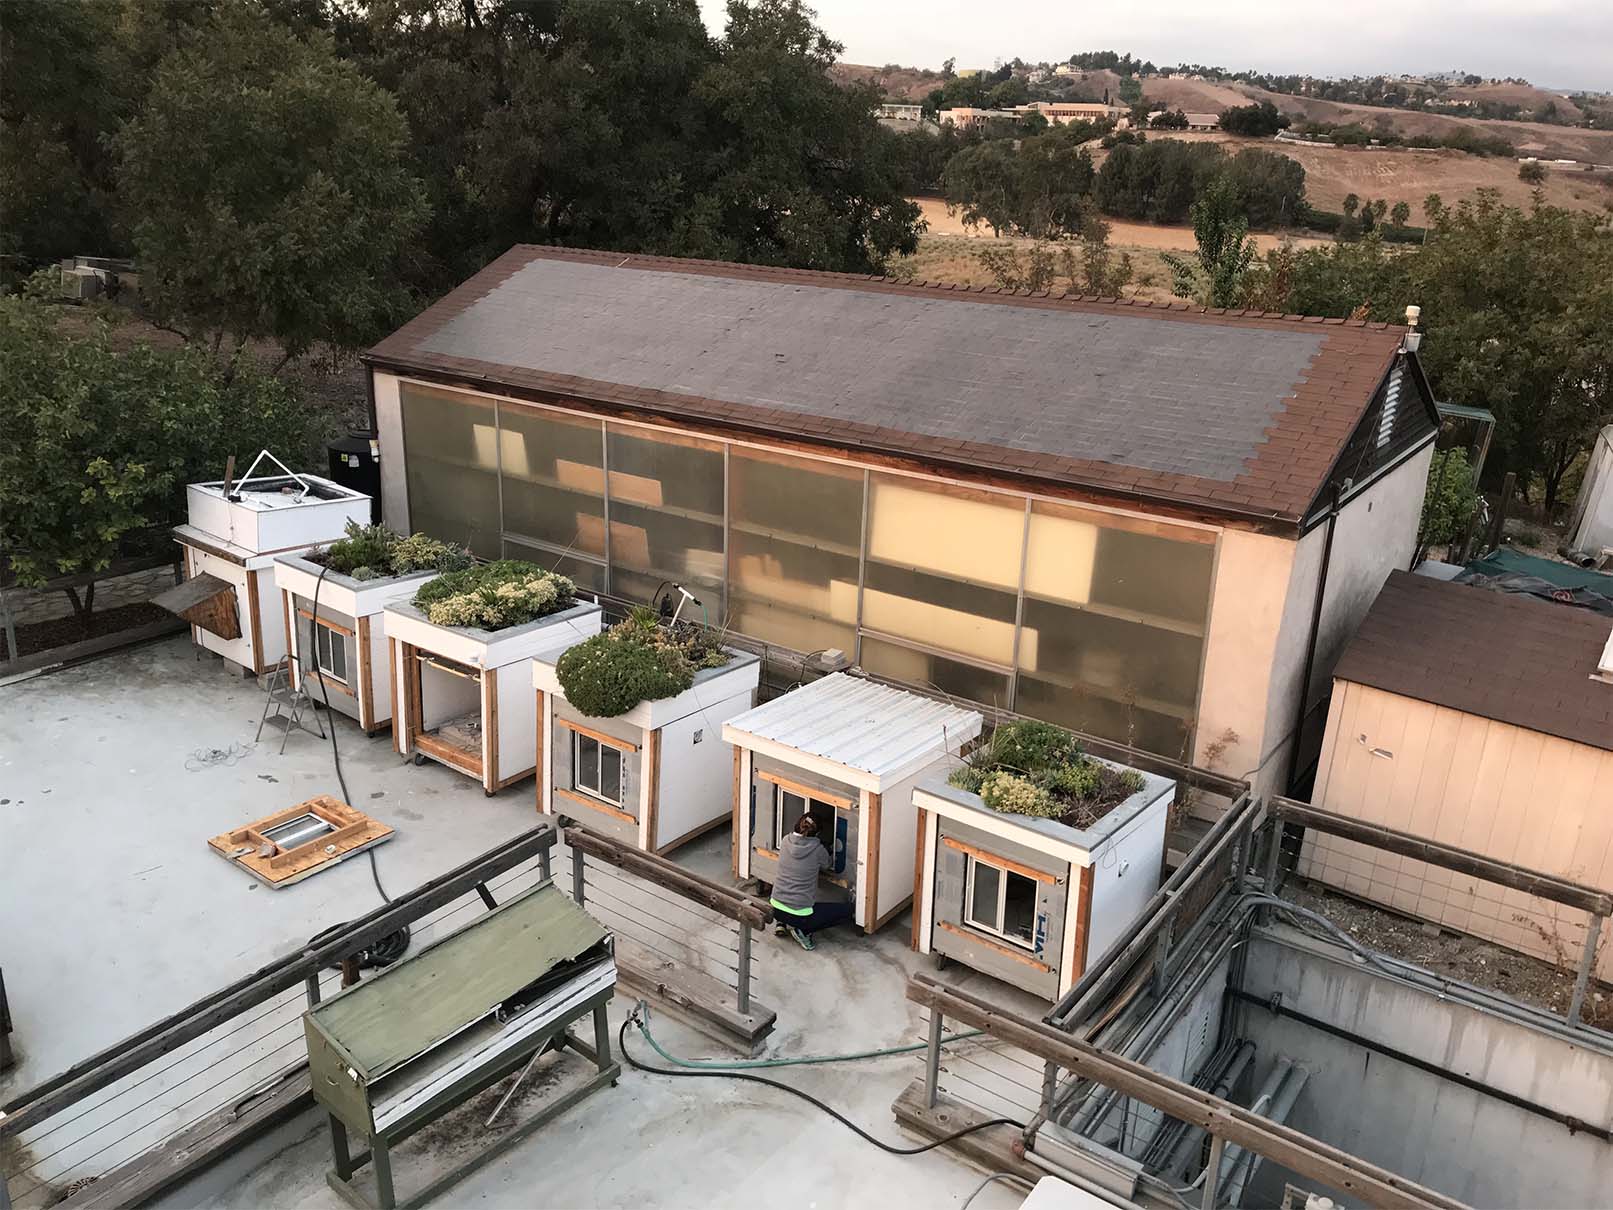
[861, 724]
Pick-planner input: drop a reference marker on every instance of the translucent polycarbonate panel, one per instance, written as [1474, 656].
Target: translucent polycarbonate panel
[1111, 640]
[554, 478]
[450, 442]
[666, 515]
[1083, 557]
[794, 526]
[929, 669]
[1169, 735]
[943, 567]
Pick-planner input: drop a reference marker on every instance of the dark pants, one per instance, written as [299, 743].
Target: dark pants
[824, 915]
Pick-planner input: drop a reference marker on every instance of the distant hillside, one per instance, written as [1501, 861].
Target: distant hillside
[899, 83]
[1546, 140]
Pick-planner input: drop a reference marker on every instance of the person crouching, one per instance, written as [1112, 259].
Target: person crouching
[796, 907]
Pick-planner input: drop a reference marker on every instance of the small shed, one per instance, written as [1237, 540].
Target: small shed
[343, 649]
[1031, 901]
[232, 533]
[657, 776]
[1482, 720]
[848, 751]
[464, 695]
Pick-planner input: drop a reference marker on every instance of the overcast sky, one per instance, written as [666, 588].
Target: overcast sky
[1555, 43]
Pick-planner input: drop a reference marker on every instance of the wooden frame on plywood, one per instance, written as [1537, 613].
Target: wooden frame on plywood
[351, 831]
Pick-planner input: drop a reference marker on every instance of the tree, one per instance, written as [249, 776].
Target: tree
[1450, 500]
[1351, 205]
[1101, 272]
[264, 188]
[100, 444]
[1215, 278]
[1041, 190]
[1532, 171]
[1399, 214]
[1171, 119]
[1261, 120]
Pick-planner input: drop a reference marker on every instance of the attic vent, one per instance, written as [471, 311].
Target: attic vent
[1391, 407]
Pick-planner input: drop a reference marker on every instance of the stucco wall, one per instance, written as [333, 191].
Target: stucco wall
[1260, 621]
[394, 478]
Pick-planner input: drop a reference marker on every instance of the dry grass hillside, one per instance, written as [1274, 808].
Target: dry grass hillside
[1404, 174]
[899, 83]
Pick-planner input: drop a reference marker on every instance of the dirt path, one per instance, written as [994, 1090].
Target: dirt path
[1122, 234]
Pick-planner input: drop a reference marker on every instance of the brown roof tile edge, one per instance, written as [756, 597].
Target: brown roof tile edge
[1510, 658]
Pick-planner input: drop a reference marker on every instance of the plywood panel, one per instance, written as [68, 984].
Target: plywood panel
[1503, 791]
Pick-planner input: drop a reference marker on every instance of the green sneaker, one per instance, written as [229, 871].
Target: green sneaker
[803, 939]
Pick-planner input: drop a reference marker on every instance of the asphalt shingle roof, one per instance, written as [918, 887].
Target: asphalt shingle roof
[1223, 411]
[1502, 656]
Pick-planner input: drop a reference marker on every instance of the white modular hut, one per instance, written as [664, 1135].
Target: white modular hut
[848, 751]
[1031, 901]
[464, 696]
[343, 650]
[658, 776]
[229, 542]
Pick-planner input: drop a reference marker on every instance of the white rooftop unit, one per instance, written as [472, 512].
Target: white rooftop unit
[848, 750]
[233, 531]
[656, 776]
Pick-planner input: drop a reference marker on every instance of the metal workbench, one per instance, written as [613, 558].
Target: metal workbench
[396, 1052]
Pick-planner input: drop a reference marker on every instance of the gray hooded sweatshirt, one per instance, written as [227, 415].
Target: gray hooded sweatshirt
[799, 860]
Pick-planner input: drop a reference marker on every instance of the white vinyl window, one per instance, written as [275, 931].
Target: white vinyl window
[1001, 901]
[330, 652]
[596, 768]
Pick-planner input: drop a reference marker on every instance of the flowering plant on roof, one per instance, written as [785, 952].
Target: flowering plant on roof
[494, 596]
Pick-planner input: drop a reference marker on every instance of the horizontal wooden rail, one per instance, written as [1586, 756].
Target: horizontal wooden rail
[1306, 1156]
[1463, 861]
[736, 905]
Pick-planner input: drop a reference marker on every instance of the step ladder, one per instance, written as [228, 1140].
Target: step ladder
[288, 707]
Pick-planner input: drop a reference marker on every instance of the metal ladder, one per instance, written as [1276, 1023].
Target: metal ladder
[288, 706]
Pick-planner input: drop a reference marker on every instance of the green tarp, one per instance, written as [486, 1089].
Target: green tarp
[1564, 575]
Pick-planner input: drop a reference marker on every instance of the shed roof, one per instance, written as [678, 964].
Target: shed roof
[1510, 658]
[859, 724]
[1240, 413]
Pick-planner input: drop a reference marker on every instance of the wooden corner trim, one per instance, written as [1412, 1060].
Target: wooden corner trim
[1005, 863]
[1007, 951]
[795, 787]
[323, 621]
[624, 745]
[596, 805]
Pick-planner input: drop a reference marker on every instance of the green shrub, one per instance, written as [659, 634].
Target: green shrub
[494, 596]
[1029, 745]
[1004, 791]
[637, 660]
[377, 551]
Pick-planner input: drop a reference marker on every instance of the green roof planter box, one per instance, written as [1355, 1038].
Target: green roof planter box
[1032, 900]
[463, 692]
[657, 775]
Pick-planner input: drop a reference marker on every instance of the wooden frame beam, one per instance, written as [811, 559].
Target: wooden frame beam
[1463, 861]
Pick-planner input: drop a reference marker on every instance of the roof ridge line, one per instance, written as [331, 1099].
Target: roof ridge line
[833, 278]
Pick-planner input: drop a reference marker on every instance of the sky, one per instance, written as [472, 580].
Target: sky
[1552, 43]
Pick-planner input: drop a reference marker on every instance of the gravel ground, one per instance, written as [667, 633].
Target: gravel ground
[1453, 955]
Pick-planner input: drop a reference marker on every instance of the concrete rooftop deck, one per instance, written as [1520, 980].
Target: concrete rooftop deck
[116, 913]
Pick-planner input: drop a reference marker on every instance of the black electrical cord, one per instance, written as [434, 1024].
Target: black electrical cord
[621, 1044]
[394, 945]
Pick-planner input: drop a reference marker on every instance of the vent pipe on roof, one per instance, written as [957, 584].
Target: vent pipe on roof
[1414, 338]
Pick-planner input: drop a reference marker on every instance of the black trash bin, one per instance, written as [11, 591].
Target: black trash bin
[355, 462]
